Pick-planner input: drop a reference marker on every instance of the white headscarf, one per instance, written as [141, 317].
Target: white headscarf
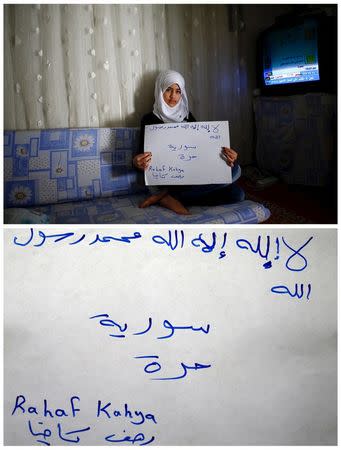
[180, 111]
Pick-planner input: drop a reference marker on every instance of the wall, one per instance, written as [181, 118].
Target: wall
[95, 65]
[113, 51]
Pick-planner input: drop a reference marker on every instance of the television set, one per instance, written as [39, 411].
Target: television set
[298, 55]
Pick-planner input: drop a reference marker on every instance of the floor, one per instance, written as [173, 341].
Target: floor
[293, 204]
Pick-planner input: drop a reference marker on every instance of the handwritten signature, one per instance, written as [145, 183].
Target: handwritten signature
[61, 430]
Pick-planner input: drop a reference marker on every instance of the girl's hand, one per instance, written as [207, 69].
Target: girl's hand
[142, 160]
[230, 156]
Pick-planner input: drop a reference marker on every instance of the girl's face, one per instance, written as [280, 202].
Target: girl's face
[172, 95]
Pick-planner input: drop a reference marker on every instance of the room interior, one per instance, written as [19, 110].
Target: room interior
[75, 66]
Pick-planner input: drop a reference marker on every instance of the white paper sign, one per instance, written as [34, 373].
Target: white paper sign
[187, 153]
[134, 336]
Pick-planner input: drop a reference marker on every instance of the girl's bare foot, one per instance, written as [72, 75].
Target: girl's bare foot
[167, 201]
[173, 204]
[155, 198]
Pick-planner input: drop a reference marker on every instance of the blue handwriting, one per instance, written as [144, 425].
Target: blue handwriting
[126, 239]
[263, 250]
[173, 240]
[184, 147]
[171, 327]
[63, 236]
[110, 323]
[135, 417]
[105, 321]
[155, 366]
[296, 254]
[43, 434]
[21, 407]
[186, 158]
[267, 249]
[299, 290]
[206, 127]
[47, 433]
[139, 437]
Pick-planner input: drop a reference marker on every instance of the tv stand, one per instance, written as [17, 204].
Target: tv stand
[296, 138]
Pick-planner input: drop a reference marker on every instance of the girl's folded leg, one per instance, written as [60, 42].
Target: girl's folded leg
[227, 195]
[210, 194]
[162, 196]
[172, 203]
[177, 197]
[156, 194]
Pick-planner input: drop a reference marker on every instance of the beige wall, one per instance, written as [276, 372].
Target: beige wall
[90, 66]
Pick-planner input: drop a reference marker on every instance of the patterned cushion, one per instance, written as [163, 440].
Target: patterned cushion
[85, 175]
[124, 210]
[54, 166]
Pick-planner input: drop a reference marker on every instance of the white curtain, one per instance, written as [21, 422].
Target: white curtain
[95, 65]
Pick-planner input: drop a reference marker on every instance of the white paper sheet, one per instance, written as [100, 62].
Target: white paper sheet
[244, 323]
[187, 153]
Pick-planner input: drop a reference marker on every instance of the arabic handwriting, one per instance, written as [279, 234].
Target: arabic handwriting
[247, 245]
[264, 252]
[268, 249]
[105, 321]
[277, 248]
[21, 244]
[196, 242]
[156, 367]
[126, 239]
[299, 290]
[43, 435]
[296, 253]
[56, 238]
[173, 239]
[187, 157]
[47, 433]
[147, 329]
[76, 440]
[110, 323]
[78, 241]
[185, 147]
[139, 437]
[59, 237]
[185, 367]
[154, 364]
[211, 128]
[224, 240]
[222, 253]
[172, 329]
[263, 246]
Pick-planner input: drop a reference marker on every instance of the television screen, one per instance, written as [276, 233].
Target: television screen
[290, 54]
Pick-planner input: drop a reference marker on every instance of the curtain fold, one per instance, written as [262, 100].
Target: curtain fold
[95, 65]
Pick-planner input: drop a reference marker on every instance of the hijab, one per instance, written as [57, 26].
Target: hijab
[180, 111]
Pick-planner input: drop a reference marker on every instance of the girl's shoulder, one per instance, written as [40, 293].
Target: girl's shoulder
[191, 118]
[150, 119]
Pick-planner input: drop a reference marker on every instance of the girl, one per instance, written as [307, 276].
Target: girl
[171, 105]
